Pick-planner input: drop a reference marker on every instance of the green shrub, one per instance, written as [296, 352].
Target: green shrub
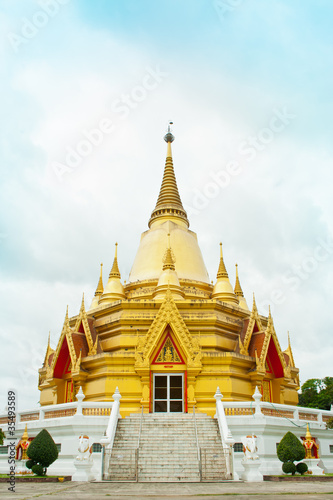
[42, 451]
[290, 449]
[329, 423]
[301, 468]
[289, 468]
[38, 470]
[29, 464]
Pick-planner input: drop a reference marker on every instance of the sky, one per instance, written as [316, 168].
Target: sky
[86, 92]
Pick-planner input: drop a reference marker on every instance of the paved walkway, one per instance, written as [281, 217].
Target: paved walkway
[172, 491]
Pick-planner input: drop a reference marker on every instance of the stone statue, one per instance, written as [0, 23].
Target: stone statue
[250, 448]
[84, 449]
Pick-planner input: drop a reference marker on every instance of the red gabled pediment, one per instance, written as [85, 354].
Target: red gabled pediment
[168, 352]
[63, 361]
[273, 359]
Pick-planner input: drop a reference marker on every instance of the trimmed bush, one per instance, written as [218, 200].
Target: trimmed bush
[289, 468]
[38, 470]
[329, 423]
[290, 449]
[301, 468]
[42, 451]
[29, 464]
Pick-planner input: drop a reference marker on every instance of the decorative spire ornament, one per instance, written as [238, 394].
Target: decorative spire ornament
[169, 203]
[113, 290]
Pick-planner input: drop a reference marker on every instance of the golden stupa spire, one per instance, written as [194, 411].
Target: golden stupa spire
[113, 290]
[308, 436]
[169, 262]
[222, 272]
[100, 287]
[238, 289]
[168, 282]
[169, 204]
[223, 289]
[25, 436]
[115, 273]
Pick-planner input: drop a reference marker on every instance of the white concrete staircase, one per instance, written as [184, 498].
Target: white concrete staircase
[168, 449]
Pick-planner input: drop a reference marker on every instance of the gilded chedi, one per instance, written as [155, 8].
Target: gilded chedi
[168, 337]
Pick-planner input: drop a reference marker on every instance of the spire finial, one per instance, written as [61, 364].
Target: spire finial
[168, 136]
[222, 272]
[168, 260]
[100, 287]
[238, 289]
[169, 204]
[48, 342]
[115, 273]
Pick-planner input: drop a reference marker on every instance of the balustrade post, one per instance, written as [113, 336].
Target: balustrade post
[80, 397]
[257, 397]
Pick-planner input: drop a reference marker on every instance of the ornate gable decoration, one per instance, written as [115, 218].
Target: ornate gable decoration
[168, 314]
[82, 318]
[254, 320]
[270, 334]
[168, 353]
[66, 333]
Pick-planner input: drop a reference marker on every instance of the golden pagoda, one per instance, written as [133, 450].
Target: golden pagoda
[168, 337]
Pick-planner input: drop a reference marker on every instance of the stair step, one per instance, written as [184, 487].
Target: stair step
[168, 449]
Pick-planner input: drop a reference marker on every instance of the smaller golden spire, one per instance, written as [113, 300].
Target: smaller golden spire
[308, 436]
[113, 290]
[115, 273]
[238, 289]
[222, 272]
[100, 287]
[25, 436]
[168, 260]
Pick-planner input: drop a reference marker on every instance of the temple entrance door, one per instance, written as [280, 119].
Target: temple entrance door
[168, 393]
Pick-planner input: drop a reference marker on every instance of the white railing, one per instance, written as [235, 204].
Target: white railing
[197, 442]
[262, 409]
[108, 439]
[110, 433]
[226, 436]
[74, 409]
